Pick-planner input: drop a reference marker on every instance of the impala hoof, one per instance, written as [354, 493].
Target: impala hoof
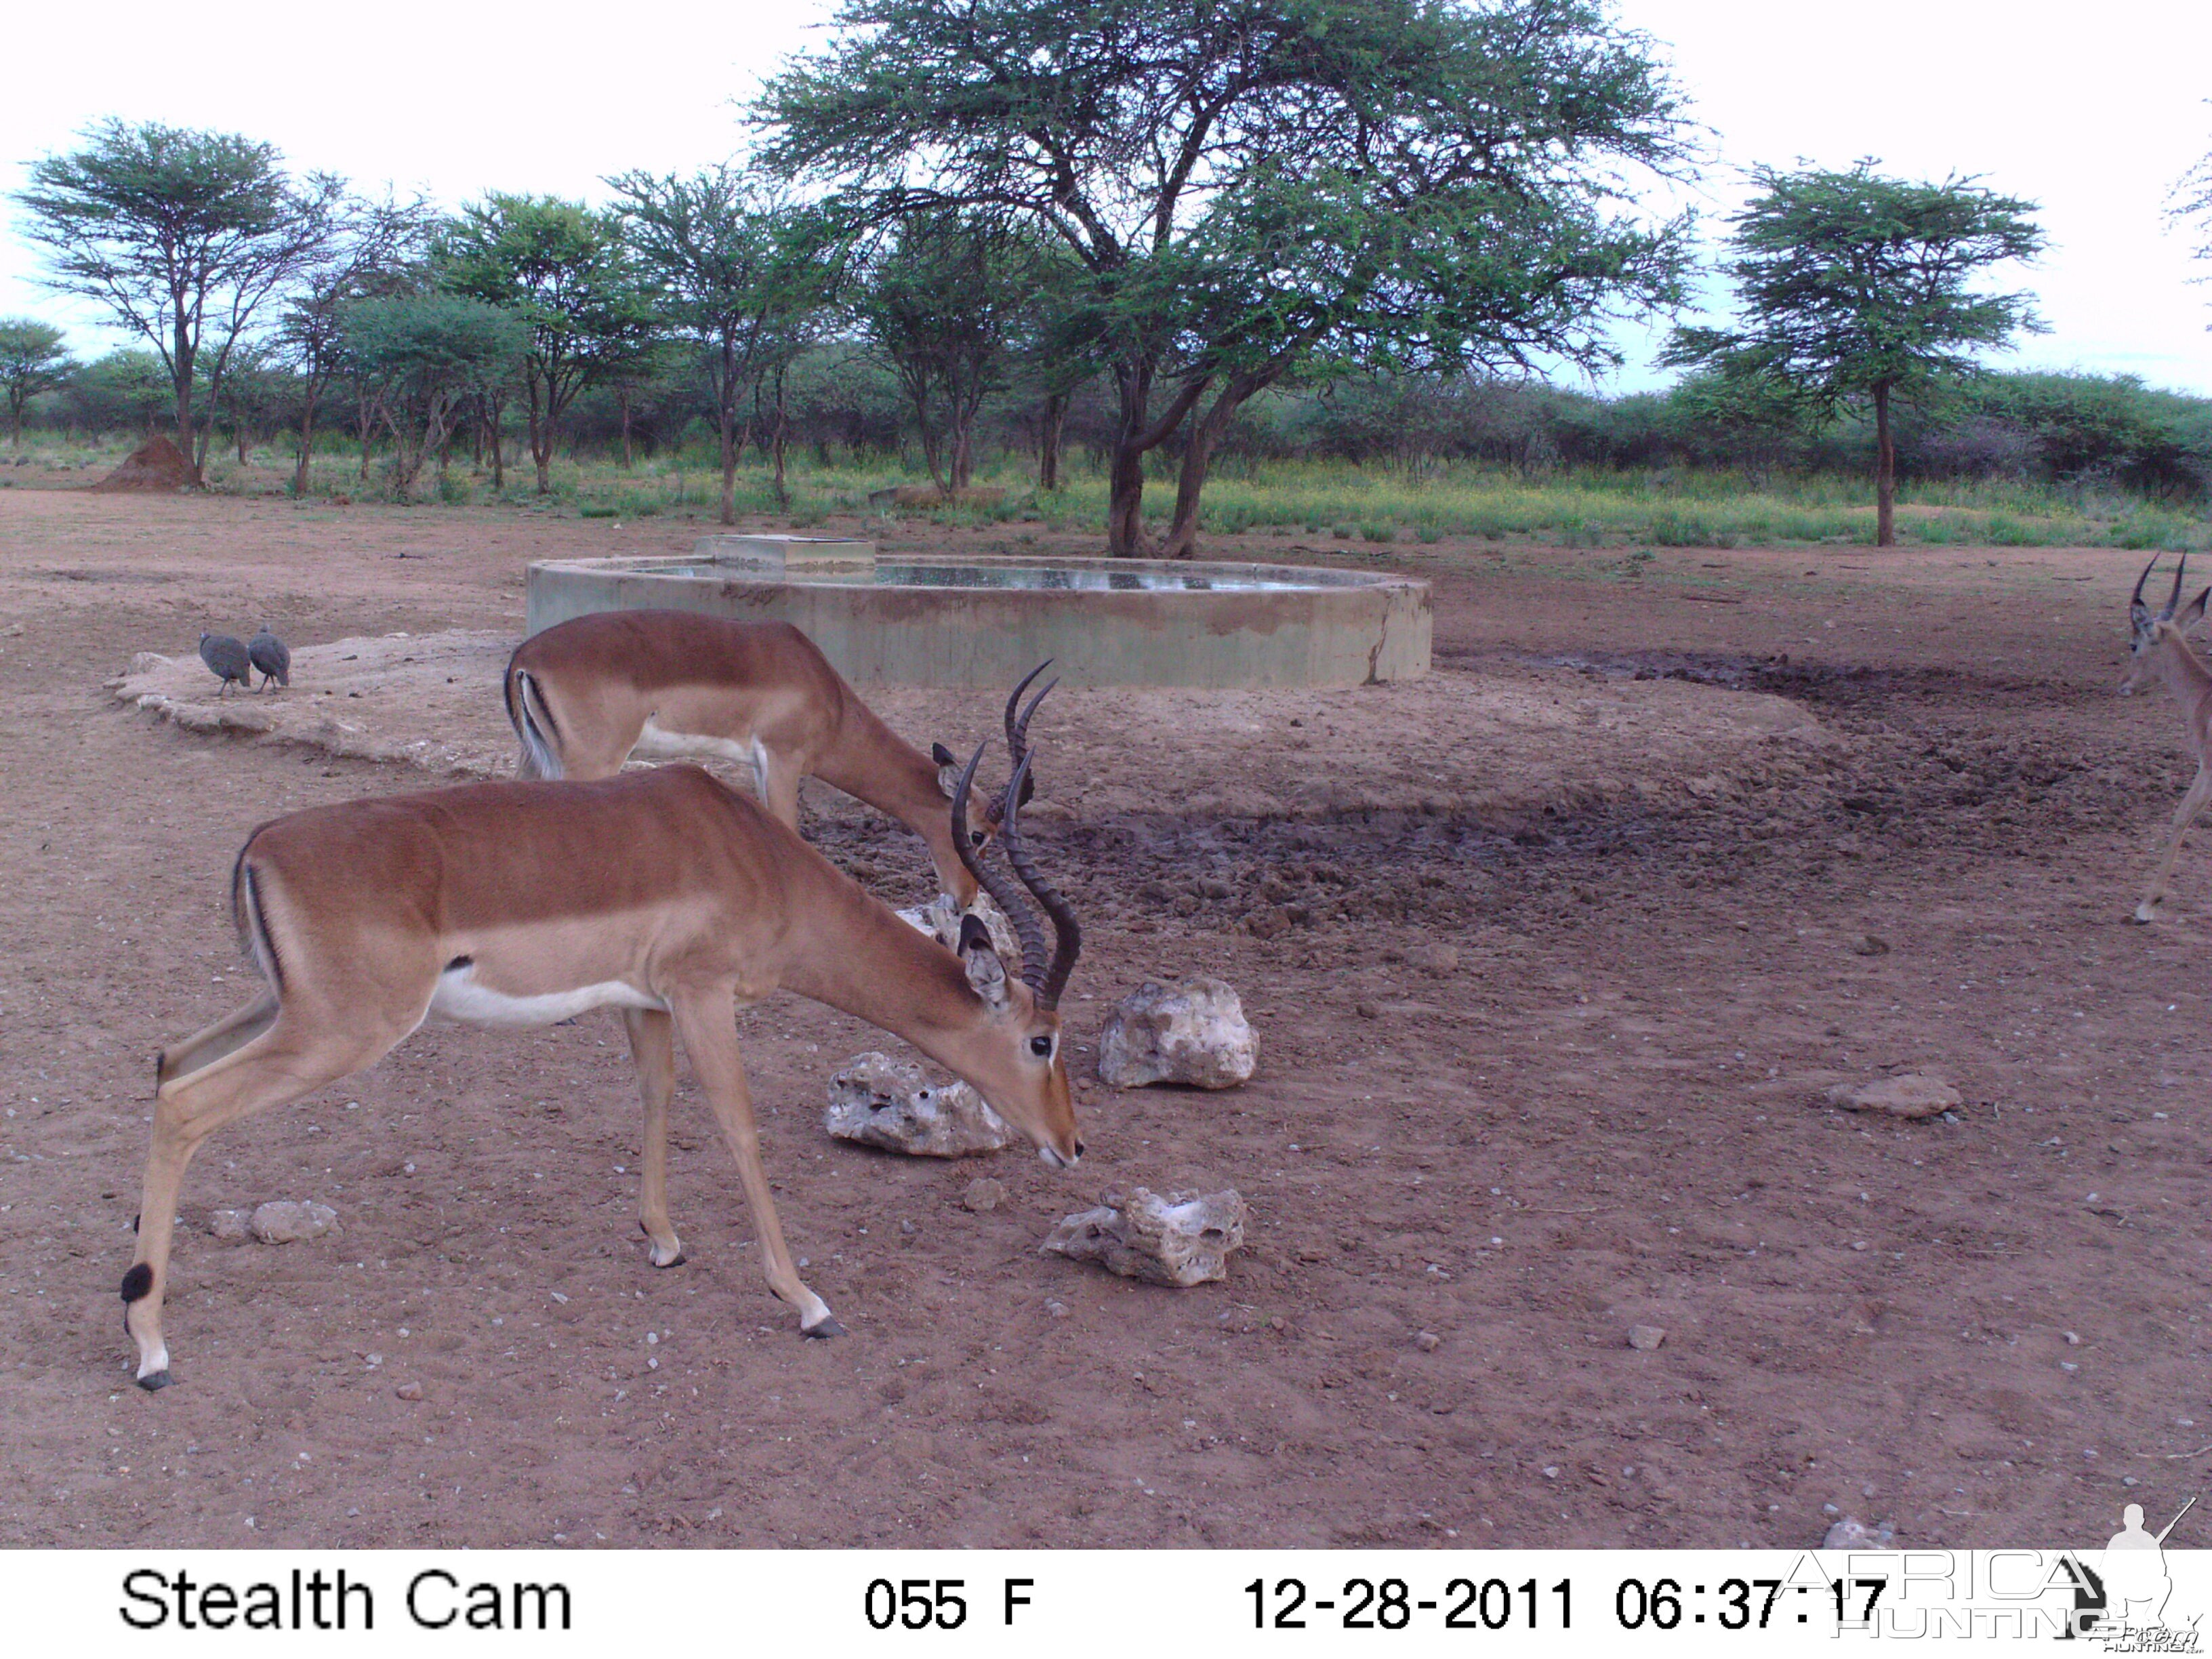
[157, 1381]
[2144, 913]
[825, 1329]
[676, 1260]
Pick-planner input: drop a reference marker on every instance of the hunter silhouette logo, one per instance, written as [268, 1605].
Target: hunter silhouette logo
[2128, 1590]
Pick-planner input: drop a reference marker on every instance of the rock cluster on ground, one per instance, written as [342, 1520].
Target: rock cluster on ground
[1181, 1240]
[1852, 1533]
[281, 1221]
[1195, 1035]
[1907, 1095]
[888, 1103]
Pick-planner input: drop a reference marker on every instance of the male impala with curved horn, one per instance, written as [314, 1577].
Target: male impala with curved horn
[663, 893]
[2157, 650]
[586, 694]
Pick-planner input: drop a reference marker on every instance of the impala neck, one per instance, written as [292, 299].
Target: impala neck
[873, 763]
[2185, 676]
[857, 956]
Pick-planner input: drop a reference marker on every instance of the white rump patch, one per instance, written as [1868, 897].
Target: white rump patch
[656, 742]
[460, 999]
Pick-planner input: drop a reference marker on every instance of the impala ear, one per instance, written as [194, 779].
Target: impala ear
[948, 768]
[987, 975]
[2193, 612]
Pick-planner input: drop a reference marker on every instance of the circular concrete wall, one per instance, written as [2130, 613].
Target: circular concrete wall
[941, 621]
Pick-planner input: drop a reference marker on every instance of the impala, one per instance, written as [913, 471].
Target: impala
[664, 893]
[585, 695]
[2157, 650]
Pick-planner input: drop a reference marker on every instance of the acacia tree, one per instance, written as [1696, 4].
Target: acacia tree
[1249, 183]
[32, 359]
[562, 270]
[373, 251]
[742, 272]
[424, 358]
[183, 236]
[1859, 289]
[944, 302]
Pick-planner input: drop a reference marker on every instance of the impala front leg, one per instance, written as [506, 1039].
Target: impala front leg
[708, 1022]
[2200, 792]
[652, 1048]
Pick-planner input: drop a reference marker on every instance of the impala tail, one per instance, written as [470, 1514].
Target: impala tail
[534, 725]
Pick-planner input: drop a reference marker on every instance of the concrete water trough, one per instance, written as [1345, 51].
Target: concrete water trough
[940, 620]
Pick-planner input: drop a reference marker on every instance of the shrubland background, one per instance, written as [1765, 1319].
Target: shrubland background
[2006, 460]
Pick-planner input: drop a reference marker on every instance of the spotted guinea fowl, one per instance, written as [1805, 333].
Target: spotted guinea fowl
[226, 660]
[271, 655]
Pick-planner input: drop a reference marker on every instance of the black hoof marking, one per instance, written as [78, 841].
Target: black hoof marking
[134, 1226]
[824, 1331]
[158, 1380]
[676, 1260]
[138, 1282]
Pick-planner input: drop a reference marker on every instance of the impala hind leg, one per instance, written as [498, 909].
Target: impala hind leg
[282, 1061]
[2199, 793]
[653, 1049]
[708, 1022]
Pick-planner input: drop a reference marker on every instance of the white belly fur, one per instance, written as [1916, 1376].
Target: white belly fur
[459, 998]
[659, 744]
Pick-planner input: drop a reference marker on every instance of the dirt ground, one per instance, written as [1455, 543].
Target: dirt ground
[1794, 818]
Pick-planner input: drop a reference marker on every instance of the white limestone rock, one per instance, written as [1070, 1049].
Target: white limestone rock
[940, 920]
[1181, 1240]
[888, 1103]
[1909, 1094]
[288, 1221]
[1196, 1035]
[230, 1225]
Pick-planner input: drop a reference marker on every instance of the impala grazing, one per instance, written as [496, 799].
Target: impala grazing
[663, 893]
[586, 694]
[2157, 650]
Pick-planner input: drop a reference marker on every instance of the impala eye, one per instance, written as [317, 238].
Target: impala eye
[1041, 1047]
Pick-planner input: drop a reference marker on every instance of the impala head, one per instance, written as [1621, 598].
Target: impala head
[2146, 632]
[1023, 1070]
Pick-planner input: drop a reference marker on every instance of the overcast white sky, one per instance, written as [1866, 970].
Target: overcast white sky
[2092, 111]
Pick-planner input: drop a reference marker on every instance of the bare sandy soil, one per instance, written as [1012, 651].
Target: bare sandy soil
[1794, 818]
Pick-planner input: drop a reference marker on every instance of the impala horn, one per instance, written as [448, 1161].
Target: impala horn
[1008, 898]
[2174, 599]
[2138, 612]
[1018, 731]
[1067, 931]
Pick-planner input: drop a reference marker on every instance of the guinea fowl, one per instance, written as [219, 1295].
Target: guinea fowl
[271, 655]
[226, 660]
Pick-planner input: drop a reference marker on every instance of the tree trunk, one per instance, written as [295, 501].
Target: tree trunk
[782, 494]
[1206, 434]
[365, 418]
[1055, 422]
[1885, 472]
[541, 441]
[1125, 479]
[244, 435]
[630, 460]
[496, 418]
[306, 463]
[729, 447]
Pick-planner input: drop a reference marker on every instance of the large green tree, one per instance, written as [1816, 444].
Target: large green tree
[944, 302]
[1251, 185]
[183, 236]
[375, 251]
[424, 358]
[563, 270]
[32, 359]
[741, 273]
[1859, 290]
